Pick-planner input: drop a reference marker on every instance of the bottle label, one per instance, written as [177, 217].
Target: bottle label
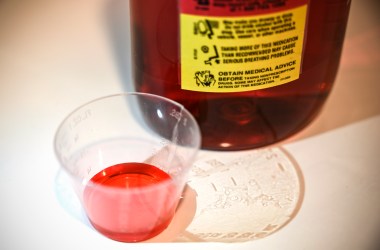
[235, 46]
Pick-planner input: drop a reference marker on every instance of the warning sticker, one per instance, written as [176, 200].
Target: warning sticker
[243, 53]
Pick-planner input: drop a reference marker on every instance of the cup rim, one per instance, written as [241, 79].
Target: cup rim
[125, 95]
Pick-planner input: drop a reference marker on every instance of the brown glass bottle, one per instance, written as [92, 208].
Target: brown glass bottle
[248, 119]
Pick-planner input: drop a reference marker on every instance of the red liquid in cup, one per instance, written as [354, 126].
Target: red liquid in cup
[140, 211]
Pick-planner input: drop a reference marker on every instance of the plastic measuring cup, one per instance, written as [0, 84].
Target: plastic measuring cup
[128, 156]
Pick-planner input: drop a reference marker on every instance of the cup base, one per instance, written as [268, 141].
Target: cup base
[132, 237]
[166, 233]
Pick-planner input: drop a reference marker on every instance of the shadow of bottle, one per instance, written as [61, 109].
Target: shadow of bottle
[244, 196]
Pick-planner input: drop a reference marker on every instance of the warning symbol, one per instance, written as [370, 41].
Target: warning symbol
[204, 78]
[212, 58]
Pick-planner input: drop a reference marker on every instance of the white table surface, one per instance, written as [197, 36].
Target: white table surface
[56, 55]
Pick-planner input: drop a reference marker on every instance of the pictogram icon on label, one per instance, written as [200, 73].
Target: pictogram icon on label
[241, 53]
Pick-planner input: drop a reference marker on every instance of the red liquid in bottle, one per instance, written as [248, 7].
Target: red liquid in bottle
[239, 120]
[126, 202]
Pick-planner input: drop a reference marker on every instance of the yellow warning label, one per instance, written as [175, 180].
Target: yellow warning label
[235, 54]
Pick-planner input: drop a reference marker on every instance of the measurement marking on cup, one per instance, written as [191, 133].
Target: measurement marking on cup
[177, 115]
[76, 120]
